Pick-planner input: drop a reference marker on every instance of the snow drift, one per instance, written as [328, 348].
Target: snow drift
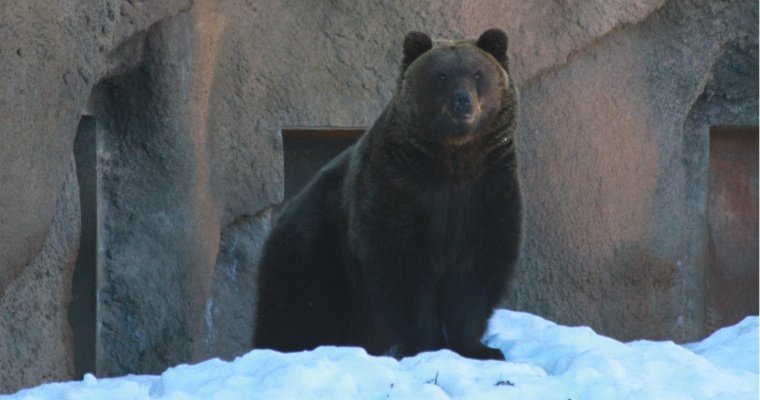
[545, 361]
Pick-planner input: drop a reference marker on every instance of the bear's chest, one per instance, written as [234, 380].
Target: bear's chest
[450, 224]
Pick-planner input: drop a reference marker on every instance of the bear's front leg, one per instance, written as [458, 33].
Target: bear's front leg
[399, 290]
[466, 306]
[474, 288]
[404, 316]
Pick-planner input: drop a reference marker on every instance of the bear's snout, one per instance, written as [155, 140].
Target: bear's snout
[462, 107]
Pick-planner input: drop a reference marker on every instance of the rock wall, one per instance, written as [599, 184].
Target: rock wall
[189, 99]
[615, 172]
[35, 337]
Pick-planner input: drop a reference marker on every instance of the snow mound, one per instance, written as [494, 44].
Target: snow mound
[546, 361]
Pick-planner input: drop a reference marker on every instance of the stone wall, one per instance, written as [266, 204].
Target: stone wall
[189, 99]
[615, 168]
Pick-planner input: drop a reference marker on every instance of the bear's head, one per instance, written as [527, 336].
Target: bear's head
[454, 91]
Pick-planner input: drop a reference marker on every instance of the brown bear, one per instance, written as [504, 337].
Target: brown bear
[405, 242]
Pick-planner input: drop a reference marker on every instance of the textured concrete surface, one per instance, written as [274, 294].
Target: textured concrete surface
[615, 209]
[50, 57]
[35, 339]
[189, 100]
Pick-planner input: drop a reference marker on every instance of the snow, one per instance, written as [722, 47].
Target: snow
[546, 361]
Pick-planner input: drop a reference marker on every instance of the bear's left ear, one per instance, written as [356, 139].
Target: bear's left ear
[494, 42]
[415, 43]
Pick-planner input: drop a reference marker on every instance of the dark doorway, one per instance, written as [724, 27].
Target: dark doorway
[82, 312]
[732, 219]
[307, 150]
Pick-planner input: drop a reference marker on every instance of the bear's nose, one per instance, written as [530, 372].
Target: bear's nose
[462, 104]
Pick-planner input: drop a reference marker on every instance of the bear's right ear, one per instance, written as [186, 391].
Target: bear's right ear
[415, 43]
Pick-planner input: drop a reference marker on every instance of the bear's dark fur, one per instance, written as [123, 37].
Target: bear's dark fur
[404, 242]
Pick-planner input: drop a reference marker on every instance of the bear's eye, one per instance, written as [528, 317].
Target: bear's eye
[477, 75]
[441, 76]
